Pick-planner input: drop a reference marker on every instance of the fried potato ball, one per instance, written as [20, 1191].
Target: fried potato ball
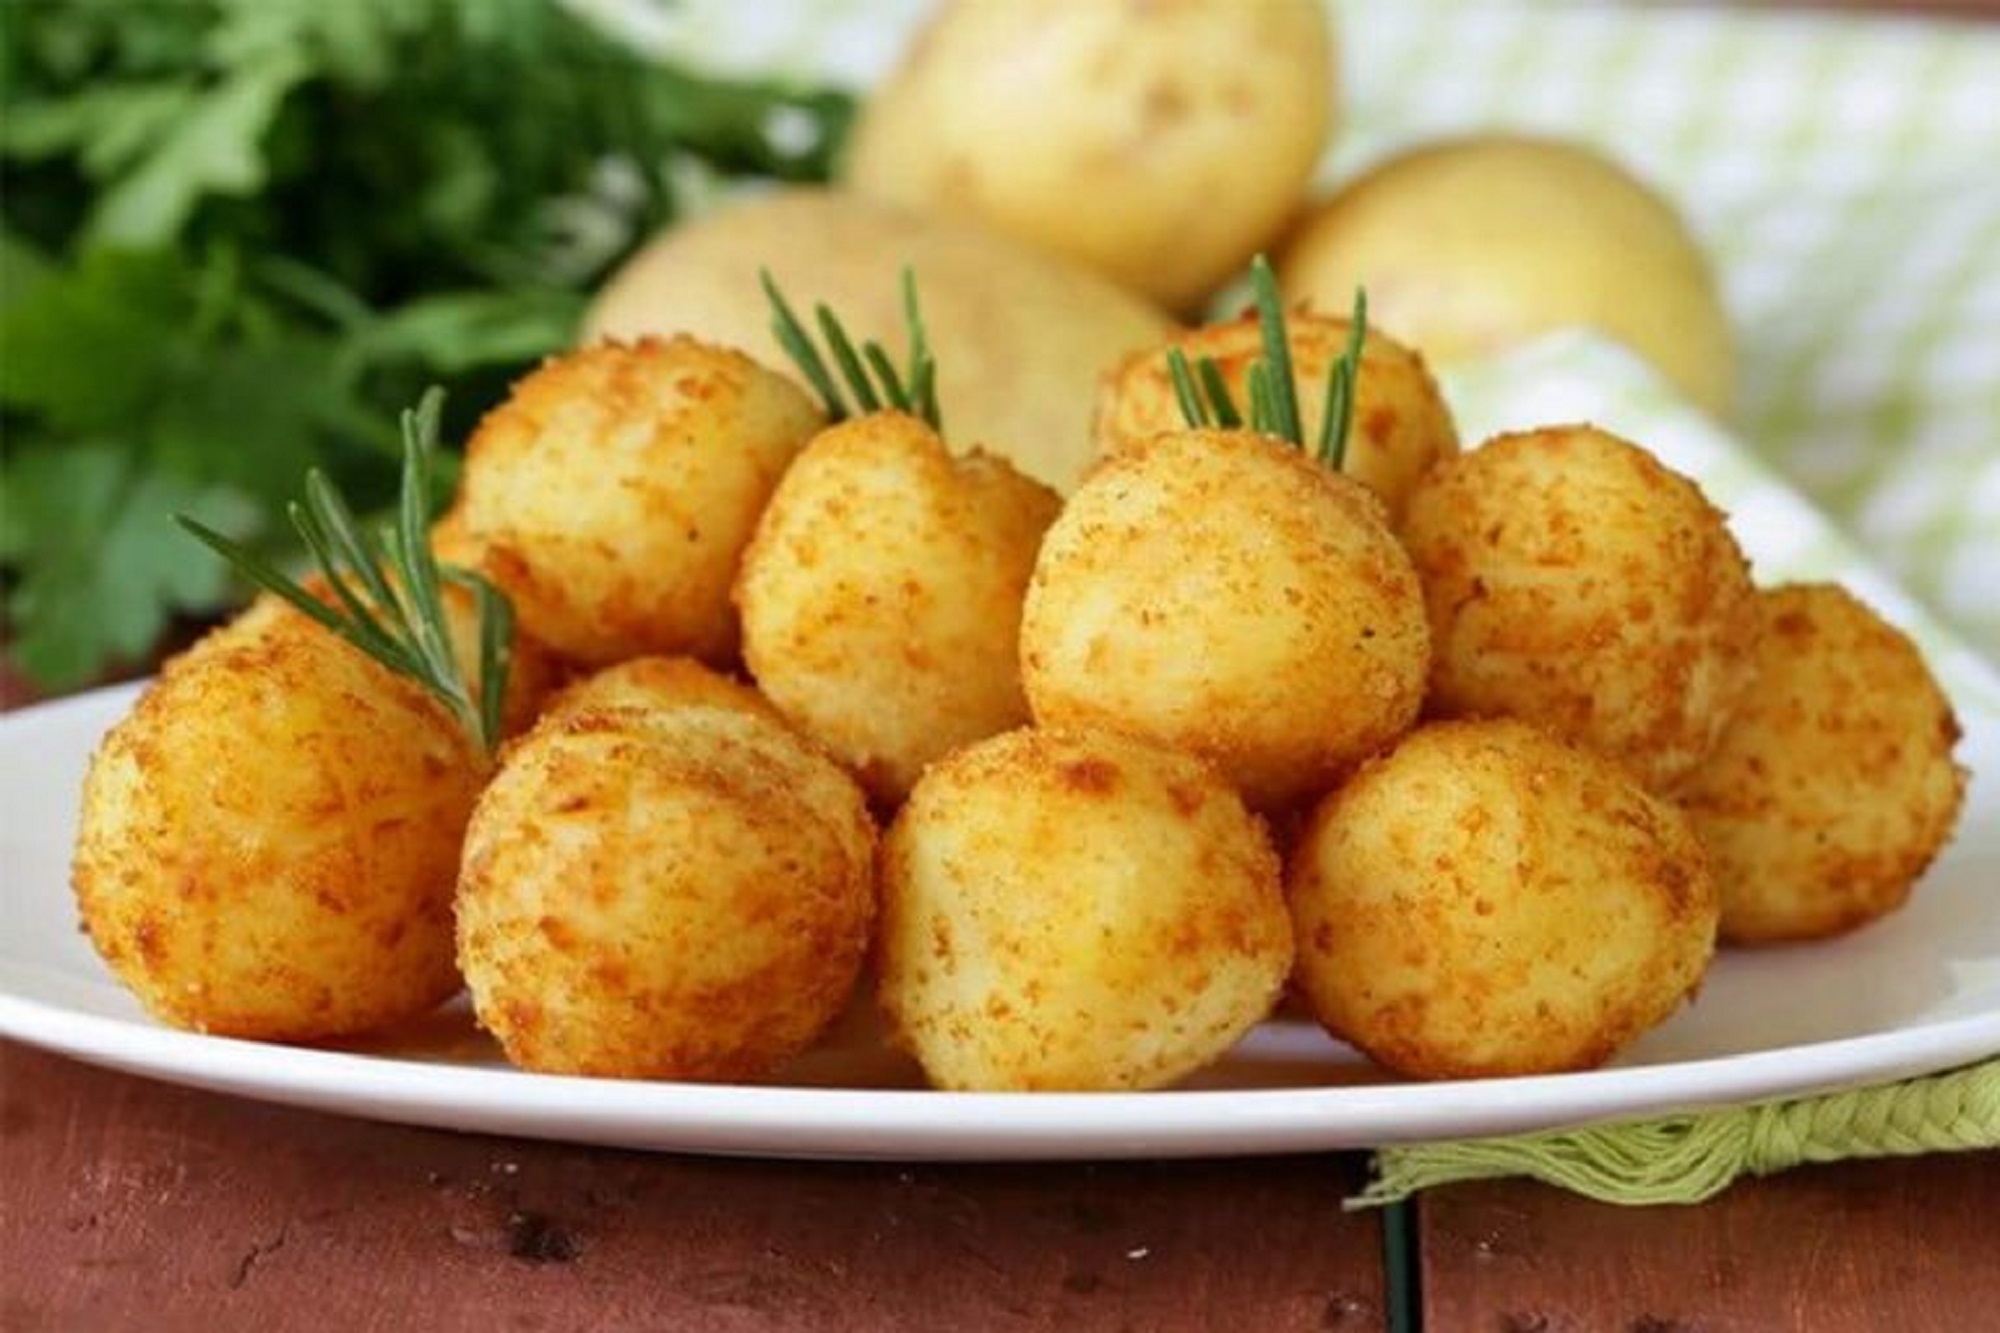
[1834, 786]
[881, 596]
[659, 682]
[653, 892]
[1161, 144]
[1401, 423]
[1076, 909]
[1220, 592]
[1486, 900]
[612, 494]
[268, 841]
[1574, 580]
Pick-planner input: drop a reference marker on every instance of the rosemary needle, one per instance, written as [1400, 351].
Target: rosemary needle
[868, 377]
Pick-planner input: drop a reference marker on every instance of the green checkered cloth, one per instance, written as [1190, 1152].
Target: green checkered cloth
[1842, 173]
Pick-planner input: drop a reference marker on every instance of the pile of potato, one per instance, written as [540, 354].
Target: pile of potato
[1081, 738]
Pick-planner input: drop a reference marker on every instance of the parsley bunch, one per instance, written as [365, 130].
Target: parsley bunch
[237, 235]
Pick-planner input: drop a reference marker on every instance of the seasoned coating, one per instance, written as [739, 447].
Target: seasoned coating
[1219, 592]
[268, 841]
[657, 683]
[1076, 909]
[612, 494]
[1401, 423]
[1834, 786]
[1486, 900]
[1574, 580]
[664, 893]
[881, 596]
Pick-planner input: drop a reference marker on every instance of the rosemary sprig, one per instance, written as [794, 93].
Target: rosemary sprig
[870, 378]
[389, 586]
[1205, 400]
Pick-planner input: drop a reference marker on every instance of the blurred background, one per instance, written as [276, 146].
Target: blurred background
[237, 237]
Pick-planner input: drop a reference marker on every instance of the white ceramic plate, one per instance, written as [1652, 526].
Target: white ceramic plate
[1915, 993]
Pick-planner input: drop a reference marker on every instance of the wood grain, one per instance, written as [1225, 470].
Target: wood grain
[127, 1204]
[1907, 1244]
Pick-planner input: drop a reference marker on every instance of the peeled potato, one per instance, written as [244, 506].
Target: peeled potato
[268, 841]
[1021, 336]
[892, 640]
[1834, 786]
[1160, 144]
[1401, 424]
[1219, 592]
[1485, 900]
[681, 892]
[1575, 581]
[612, 493]
[1473, 245]
[1075, 909]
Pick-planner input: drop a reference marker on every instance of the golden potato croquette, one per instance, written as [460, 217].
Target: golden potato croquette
[268, 841]
[659, 682]
[1220, 592]
[1401, 423]
[1486, 900]
[881, 596]
[648, 892]
[1076, 909]
[1574, 580]
[1834, 786]
[612, 493]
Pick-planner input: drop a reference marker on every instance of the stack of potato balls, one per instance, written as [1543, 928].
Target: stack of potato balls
[1475, 752]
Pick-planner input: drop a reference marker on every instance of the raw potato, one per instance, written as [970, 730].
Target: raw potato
[881, 596]
[1021, 336]
[268, 841]
[1219, 592]
[1485, 900]
[1834, 786]
[656, 683]
[1079, 910]
[613, 492]
[1575, 581]
[681, 892]
[1473, 245]
[1159, 144]
[1401, 424]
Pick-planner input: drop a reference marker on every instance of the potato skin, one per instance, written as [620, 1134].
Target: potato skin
[1468, 246]
[1401, 423]
[1575, 581]
[1077, 910]
[268, 841]
[1219, 592]
[1133, 139]
[1485, 900]
[1022, 335]
[881, 596]
[612, 493]
[682, 892]
[1834, 786]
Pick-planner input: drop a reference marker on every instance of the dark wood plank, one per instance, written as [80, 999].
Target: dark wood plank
[126, 1204]
[1855, 1246]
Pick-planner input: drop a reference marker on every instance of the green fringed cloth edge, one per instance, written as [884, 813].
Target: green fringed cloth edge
[1695, 1156]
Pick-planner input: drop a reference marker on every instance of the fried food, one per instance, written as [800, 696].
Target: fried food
[681, 892]
[269, 840]
[1574, 580]
[613, 492]
[1834, 786]
[1220, 592]
[1486, 900]
[1076, 909]
[1401, 423]
[659, 682]
[892, 639]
